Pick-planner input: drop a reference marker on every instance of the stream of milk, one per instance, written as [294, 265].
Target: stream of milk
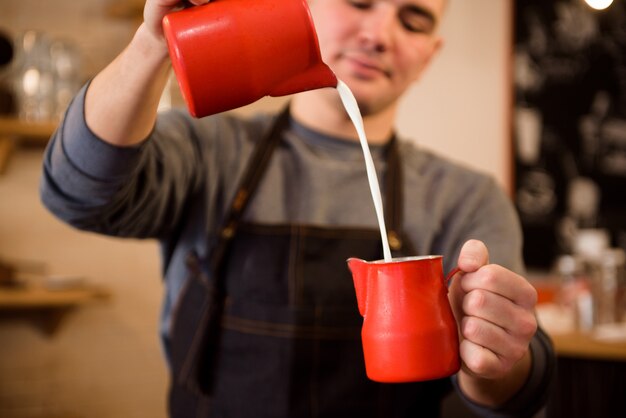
[349, 102]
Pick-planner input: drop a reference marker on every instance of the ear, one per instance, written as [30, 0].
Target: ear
[436, 45]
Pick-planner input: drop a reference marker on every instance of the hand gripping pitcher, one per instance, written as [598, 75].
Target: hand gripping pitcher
[409, 332]
[230, 53]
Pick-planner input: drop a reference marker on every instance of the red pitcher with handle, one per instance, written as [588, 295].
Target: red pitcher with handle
[230, 53]
[409, 332]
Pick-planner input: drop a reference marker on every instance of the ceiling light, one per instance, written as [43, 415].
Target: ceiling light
[599, 4]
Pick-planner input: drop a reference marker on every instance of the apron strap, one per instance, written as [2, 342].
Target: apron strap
[259, 160]
[202, 302]
[253, 174]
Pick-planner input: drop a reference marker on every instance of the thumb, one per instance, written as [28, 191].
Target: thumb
[473, 255]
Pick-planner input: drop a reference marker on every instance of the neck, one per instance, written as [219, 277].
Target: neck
[323, 111]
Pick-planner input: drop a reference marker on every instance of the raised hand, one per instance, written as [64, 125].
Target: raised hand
[494, 308]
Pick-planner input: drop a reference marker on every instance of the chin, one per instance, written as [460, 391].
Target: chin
[365, 91]
[367, 104]
[368, 109]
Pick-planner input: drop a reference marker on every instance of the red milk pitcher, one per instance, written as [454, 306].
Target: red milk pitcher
[409, 332]
[230, 53]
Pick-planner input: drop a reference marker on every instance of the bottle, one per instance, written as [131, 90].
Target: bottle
[609, 287]
[575, 294]
[34, 80]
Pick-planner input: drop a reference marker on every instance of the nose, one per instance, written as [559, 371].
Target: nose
[376, 33]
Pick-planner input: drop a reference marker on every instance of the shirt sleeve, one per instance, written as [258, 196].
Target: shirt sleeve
[81, 171]
[136, 191]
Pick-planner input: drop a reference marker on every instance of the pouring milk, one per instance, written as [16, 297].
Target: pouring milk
[349, 102]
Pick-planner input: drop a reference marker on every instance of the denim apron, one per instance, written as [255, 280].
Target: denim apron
[277, 333]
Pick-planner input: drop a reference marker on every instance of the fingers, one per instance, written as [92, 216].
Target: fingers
[480, 361]
[487, 350]
[155, 10]
[500, 349]
[495, 310]
[500, 312]
[498, 280]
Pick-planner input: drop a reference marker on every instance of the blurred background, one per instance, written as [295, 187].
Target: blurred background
[78, 317]
[531, 92]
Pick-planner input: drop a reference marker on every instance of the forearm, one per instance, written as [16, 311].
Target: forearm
[122, 100]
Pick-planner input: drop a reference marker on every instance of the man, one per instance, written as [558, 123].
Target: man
[260, 316]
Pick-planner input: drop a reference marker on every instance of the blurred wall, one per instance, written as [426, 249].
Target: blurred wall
[105, 359]
[461, 108]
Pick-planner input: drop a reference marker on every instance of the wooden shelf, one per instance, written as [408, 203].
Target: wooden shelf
[35, 131]
[13, 130]
[581, 345]
[46, 308]
[33, 297]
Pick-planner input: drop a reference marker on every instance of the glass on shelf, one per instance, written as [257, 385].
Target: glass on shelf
[46, 76]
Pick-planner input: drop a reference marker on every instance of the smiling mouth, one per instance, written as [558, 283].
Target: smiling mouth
[368, 66]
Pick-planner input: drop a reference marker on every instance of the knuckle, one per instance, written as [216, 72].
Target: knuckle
[479, 365]
[489, 275]
[532, 295]
[527, 326]
[471, 328]
[475, 301]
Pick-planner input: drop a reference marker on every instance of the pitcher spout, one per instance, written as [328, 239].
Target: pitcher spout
[316, 77]
[360, 275]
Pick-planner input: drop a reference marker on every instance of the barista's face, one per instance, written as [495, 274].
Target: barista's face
[377, 47]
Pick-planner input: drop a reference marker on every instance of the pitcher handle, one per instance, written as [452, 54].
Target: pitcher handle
[451, 275]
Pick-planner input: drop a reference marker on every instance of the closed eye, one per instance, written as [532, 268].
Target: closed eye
[417, 19]
[412, 17]
[361, 4]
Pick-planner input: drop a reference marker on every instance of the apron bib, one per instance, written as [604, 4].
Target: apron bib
[277, 333]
